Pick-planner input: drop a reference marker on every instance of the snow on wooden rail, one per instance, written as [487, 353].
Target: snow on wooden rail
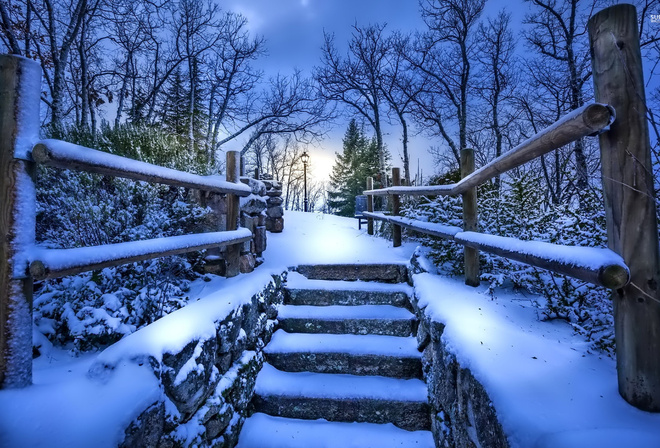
[594, 265]
[587, 120]
[429, 228]
[52, 263]
[60, 154]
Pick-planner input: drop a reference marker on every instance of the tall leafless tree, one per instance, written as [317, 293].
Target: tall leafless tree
[557, 32]
[355, 79]
[444, 57]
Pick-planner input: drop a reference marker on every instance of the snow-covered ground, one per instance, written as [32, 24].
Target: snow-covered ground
[548, 391]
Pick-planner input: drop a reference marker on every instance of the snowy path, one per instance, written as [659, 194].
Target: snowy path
[546, 389]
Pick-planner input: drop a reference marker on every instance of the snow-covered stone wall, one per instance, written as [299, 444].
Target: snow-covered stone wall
[462, 412]
[207, 381]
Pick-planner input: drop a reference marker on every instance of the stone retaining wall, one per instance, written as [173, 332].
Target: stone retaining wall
[463, 415]
[207, 385]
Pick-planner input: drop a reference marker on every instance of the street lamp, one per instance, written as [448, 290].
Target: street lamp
[305, 161]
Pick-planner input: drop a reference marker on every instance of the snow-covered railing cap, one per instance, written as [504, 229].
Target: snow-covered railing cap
[599, 266]
[53, 263]
[60, 154]
[592, 264]
[587, 120]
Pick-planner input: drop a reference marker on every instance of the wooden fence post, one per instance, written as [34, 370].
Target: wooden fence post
[396, 207]
[370, 205]
[470, 256]
[629, 202]
[20, 87]
[233, 252]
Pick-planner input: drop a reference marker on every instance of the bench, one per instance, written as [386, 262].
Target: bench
[361, 206]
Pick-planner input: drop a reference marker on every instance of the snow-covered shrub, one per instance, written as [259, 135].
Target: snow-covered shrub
[81, 209]
[519, 211]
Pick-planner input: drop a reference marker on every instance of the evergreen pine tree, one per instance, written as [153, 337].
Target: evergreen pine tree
[175, 109]
[358, 161]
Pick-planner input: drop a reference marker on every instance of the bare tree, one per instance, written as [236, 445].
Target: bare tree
[356, 79]
[61, 24]
[557, 33]
[400, 89]
[443, 57]
[232, 79]
[291, 106]
[497, 78]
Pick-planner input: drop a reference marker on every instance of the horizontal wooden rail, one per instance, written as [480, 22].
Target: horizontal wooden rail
[594, 265]
[587, 120]
[60, 154]
[52, 263]
[429, 228]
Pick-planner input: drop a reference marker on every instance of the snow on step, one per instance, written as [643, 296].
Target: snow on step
[298, 281]
[283, 342]
[341, 386]
[265, 431]
[338, 312]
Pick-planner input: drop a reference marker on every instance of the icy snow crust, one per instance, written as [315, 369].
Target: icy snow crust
[265, 431]
[548, 392]
[323, 385]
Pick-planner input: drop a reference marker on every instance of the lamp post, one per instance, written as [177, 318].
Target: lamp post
[305, 161]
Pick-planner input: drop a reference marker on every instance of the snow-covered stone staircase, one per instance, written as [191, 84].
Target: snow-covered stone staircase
[343, 369]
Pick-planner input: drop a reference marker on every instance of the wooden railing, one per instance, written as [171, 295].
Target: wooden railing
[21, 262]
[631, 264]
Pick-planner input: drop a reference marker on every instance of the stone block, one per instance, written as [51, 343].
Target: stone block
[250, 222]
[240, 391]
[260, 238]
[218, 423]
[275, 225]
[247, 263]
[272, 184]
[257, 186]
[275, 212]
[262, 220]
[189, 392]
[147, 429]
[274, 201]
[253, 205]
[228, 331]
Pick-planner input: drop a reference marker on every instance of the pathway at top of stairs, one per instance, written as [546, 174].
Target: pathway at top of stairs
[343, 368]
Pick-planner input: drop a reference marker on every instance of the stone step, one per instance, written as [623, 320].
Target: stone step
[265, 431]
[302, 291]
[345, 353]
[386, 272]
[360, 319]
[337, 397]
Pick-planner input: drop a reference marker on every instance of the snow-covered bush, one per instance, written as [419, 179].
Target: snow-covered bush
[81, 209]
[519, 211]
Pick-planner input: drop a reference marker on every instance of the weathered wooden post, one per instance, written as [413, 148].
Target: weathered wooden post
[396, 207]
[470, 256]
[20, 87]
[629, 202]
[233, 252]
[370, 205]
